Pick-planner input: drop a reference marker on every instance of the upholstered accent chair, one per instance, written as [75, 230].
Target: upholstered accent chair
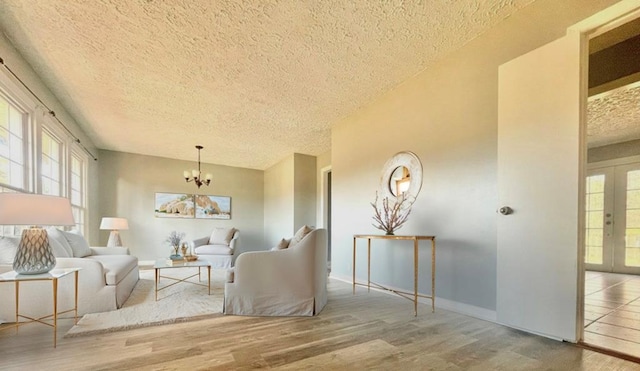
[286, 282]
[218, 248]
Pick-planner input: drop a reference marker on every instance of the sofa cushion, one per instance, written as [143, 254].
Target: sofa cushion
[214, 250]
[116, 267]
[59, 244]
[78, 244]
[300, 234]
[59, 250]
[8, 248]
[221, 236]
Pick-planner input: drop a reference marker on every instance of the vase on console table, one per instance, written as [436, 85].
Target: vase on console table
[390, 215]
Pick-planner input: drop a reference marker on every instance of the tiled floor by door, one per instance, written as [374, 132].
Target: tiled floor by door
[612, 312]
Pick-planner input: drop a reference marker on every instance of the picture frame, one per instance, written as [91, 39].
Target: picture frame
[174, 205]
[212, 207]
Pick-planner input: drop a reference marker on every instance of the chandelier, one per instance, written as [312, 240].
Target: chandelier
[196, 175]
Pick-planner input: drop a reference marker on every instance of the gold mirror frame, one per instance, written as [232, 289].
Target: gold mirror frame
[409, 160]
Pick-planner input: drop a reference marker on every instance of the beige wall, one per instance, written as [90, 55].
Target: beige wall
[290, 197]
[323, 164]
[447, 115]
[613, 151]
[278, 201]
[128, 183]
[305, 183]
[22, 69]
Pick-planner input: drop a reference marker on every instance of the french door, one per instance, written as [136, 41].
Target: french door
[612, 233]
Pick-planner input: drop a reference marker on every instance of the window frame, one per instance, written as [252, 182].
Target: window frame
[51, 129]
[28, 121]
[76, 151]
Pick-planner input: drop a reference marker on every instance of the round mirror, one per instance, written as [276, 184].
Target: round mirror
[399, 181]
[401, 176]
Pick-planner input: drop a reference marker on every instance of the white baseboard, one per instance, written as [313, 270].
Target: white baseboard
[146, 262]
[467, 309]
[454, 306]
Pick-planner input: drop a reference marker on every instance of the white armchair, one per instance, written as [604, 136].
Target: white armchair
[218, 248]
[288, 282]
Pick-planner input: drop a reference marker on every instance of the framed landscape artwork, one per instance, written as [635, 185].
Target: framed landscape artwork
[174, 205]
[213, 207]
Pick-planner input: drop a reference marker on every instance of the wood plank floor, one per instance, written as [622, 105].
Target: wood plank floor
[365, 331]
[612, 312]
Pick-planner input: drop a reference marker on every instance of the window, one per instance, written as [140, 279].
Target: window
[37, 154]
[51, 166]
[78, 190]
[12, 145]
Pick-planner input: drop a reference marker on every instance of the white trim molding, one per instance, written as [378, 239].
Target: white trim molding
[441, 303]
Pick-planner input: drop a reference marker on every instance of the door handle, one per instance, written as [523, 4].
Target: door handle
[505, 210]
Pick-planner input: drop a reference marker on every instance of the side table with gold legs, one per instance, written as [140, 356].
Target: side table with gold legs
[52, 276]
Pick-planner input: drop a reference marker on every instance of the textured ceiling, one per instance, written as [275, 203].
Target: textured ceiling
[252, 81]
[614, 116]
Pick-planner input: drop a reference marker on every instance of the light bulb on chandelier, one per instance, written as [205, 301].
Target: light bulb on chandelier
[196, 175]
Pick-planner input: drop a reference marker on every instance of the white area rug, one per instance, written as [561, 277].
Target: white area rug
[178, 303]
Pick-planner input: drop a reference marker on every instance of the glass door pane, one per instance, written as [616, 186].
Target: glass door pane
[627, 219]
[632, 227]
[594, 221]
[598, 239]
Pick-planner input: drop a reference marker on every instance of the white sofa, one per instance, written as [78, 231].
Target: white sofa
[287, 282]
[105, 281]
[218, 248]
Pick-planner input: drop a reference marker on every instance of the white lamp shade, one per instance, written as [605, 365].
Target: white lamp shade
[34, 209]
[114, 224]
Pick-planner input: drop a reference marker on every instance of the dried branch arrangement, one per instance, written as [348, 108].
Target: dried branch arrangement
[390, 216]
[174, 240]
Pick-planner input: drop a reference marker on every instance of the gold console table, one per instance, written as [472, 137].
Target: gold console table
[407, 295]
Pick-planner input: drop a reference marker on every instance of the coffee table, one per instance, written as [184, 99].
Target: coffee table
[162, 264]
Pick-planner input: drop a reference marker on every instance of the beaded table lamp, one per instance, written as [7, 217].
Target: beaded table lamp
[34, 255]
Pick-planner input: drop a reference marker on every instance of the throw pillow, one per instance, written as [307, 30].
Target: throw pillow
[59, 244]
[78, 244]
[283, 244]
[230, 234]
[8, 249]
[221, 236]
[300, 234]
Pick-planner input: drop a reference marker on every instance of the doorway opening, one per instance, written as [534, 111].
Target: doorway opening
[326, 208]
[612, 192]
